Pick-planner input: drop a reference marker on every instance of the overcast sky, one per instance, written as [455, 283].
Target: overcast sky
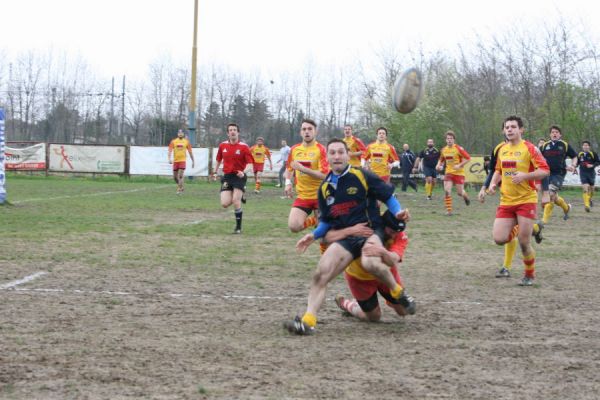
[118, 37]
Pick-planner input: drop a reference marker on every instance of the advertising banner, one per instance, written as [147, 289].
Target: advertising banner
[154, 161]
[474, 172]
[80, 158]
[2, 141]
[26, 158]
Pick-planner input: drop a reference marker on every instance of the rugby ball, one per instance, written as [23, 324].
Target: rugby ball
[407, 91]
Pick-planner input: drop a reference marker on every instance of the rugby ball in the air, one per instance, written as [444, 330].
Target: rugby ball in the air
[407, 91]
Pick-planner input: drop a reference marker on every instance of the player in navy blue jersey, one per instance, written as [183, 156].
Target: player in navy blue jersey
[587, 161]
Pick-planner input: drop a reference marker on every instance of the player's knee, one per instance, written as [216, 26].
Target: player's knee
[500, 239]
[295, 227]
[374, 315]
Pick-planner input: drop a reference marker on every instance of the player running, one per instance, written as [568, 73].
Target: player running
[427, 161]
[356, 147]
[259, 152]
[587, 161]
[178, 148]
[381, 156]
[555, 151]
[519, 164]
[308, 163]
[235, 156]
[455, 158]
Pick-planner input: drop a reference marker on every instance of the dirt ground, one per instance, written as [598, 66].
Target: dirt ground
[158, 332]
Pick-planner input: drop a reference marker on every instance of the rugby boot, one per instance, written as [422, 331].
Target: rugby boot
[298, 327]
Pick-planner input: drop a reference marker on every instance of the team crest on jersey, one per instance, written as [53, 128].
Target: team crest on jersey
[517, 153]
[330, 200]
[352, 190]
[311, 154]
[237, 151]
[225, 185]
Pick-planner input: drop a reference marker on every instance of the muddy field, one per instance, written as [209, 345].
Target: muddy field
[133, 314]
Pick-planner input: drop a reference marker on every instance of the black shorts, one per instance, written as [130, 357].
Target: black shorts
[372, 302]
[232, 181]
[354, 244]
[553, 183]
[427, 171]
[588, 178]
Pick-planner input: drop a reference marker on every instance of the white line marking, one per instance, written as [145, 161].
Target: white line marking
[194, 222]
[90, 194]
[28, 278]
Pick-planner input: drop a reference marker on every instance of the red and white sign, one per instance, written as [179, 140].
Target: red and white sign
[26, 158]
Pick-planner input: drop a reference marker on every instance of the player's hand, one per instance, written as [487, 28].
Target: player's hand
[214, 176]
[288, 190]
[438, 168]
[240, 174]
[481, 195]
[303, 243]
[295, 165]
[360, 230]
[492, 189]
[519, 177]
[403, 215]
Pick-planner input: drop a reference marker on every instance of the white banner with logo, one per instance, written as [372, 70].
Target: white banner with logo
[26, 158]
[154, 161]
[81, 158]
[2, 176]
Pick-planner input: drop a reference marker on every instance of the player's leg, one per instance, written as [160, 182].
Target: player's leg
[556, 182]
[300, 219]
[526, 227]
[460, 190]
[448, 195]
[367, 308]
[380, 270]
[237, 204]
[226, 197]
[331, 264]
[180, 179]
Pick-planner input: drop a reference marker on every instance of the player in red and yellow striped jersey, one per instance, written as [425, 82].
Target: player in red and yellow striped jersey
[308, 164]
[356, 147]
[519, 164]
[178, 148]
[260, 152]
[455, 158]
[381, 155]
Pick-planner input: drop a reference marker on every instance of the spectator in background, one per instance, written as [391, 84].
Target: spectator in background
[407, 163]
[284, 154]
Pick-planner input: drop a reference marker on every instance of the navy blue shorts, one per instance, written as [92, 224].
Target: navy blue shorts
[429, 172]
[556, 181]
[588, 178]
[354, 244]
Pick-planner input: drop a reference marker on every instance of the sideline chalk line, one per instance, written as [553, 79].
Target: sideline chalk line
[28, 278]
[90, 194]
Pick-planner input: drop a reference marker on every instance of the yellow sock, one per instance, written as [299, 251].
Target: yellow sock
[509, 253]
[529, 262]
[547, 212]
[586, 199]
[309, 319]
[397, 291]
[562, 203]
[536, 228]
[428, 188]
[258, 183]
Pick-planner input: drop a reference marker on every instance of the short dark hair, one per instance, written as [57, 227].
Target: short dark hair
[381, 128]
[309, 121]
[514, 118]
[233, 124]
[450, 133]
[555, 127]
[586, 141]
[337, 140]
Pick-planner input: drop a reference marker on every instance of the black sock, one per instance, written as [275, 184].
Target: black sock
[238, 218]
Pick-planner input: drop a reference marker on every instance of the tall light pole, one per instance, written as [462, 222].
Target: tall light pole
[192, 108]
